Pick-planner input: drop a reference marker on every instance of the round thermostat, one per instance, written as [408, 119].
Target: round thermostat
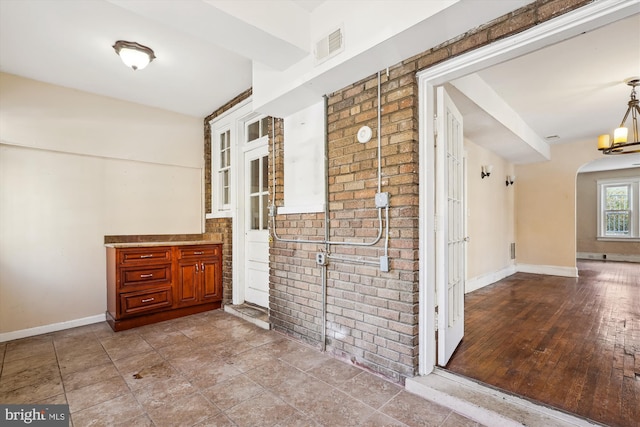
[364, 134]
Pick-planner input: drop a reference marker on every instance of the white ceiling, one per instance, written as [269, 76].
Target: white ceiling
[573, 89]
[568, 92]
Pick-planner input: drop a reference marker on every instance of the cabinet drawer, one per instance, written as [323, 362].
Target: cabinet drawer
[144, 276]
[133, 303]
[150, 255]
[203, 251]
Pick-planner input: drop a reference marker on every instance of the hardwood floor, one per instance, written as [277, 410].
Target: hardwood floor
[570, 343]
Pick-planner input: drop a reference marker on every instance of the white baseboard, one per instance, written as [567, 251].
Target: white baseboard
[45, 329]
[550, 270]
[478, 282]
[610, 257]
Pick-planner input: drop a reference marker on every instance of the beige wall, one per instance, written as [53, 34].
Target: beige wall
[587, 218]
[73, 168]
[546, 207]
[490, 215]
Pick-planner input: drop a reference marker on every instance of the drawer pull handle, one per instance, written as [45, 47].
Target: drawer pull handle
[202, 266]
[199, 253]
[196, 267]
[146, 256]
[148, 299]
[146, 276]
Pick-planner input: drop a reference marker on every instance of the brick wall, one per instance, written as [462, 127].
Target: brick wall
[372, 317]
[221, 226]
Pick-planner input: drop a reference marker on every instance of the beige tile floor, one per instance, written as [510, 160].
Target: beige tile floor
[209, 369]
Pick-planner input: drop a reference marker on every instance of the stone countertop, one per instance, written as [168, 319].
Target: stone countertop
[167, 243]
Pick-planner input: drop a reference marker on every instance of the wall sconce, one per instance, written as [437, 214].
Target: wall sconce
[511, 179]
[134, 54]
[486, 170]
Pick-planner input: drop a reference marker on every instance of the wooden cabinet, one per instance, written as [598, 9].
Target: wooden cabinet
[150, 284]
[198, 275]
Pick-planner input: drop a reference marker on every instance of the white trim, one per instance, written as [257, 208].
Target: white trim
[573, 23]
[633, 183]
[285, 210]
[488, 406]
[226, 120]
[39, 330]
[610, 257]
[483, 280]
[549, 270]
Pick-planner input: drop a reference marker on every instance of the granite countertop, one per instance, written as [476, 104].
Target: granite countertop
[166, 243]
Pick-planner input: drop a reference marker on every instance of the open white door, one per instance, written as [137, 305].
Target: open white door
[256, 256]
[450, 229]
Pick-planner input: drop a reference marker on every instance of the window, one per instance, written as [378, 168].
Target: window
[227, 136]
[257, 129]
[618, 208]
[224, 168]
[259, 193]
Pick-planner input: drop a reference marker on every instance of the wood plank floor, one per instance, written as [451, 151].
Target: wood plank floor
[570, 343]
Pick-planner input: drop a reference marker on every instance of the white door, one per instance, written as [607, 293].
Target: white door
[450, 234]
[256, 271]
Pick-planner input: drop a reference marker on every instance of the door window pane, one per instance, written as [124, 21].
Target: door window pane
[265, 173]
[255, 212]
[255, 176]
[265, 217]
[253, 131]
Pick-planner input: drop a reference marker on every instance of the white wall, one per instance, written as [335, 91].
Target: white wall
[490, 218]
[73, 168]
[546, 210]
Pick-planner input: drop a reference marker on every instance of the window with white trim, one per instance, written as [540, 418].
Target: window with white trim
[224, 169]
[227, 136]
[618, 206]
[256, 129]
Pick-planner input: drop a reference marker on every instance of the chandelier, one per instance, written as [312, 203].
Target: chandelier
[620, 144]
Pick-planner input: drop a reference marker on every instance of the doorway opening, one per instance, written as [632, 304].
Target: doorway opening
[584, 20]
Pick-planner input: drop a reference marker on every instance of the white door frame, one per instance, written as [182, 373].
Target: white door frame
[254, 150]
[586, 18]
[239, 221]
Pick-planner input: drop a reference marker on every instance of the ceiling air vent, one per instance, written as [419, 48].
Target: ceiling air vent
[329, 46]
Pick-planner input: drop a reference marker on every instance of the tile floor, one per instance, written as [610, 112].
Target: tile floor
[209, 369]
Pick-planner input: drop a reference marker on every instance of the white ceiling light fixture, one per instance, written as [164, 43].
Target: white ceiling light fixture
[620, 134]
[134, 54]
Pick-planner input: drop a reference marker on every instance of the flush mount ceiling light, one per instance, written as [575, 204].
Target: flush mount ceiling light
[620, 144]
[134, 54]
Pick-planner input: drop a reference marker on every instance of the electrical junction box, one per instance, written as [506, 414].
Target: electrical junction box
[382, 200]
[384, 264]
